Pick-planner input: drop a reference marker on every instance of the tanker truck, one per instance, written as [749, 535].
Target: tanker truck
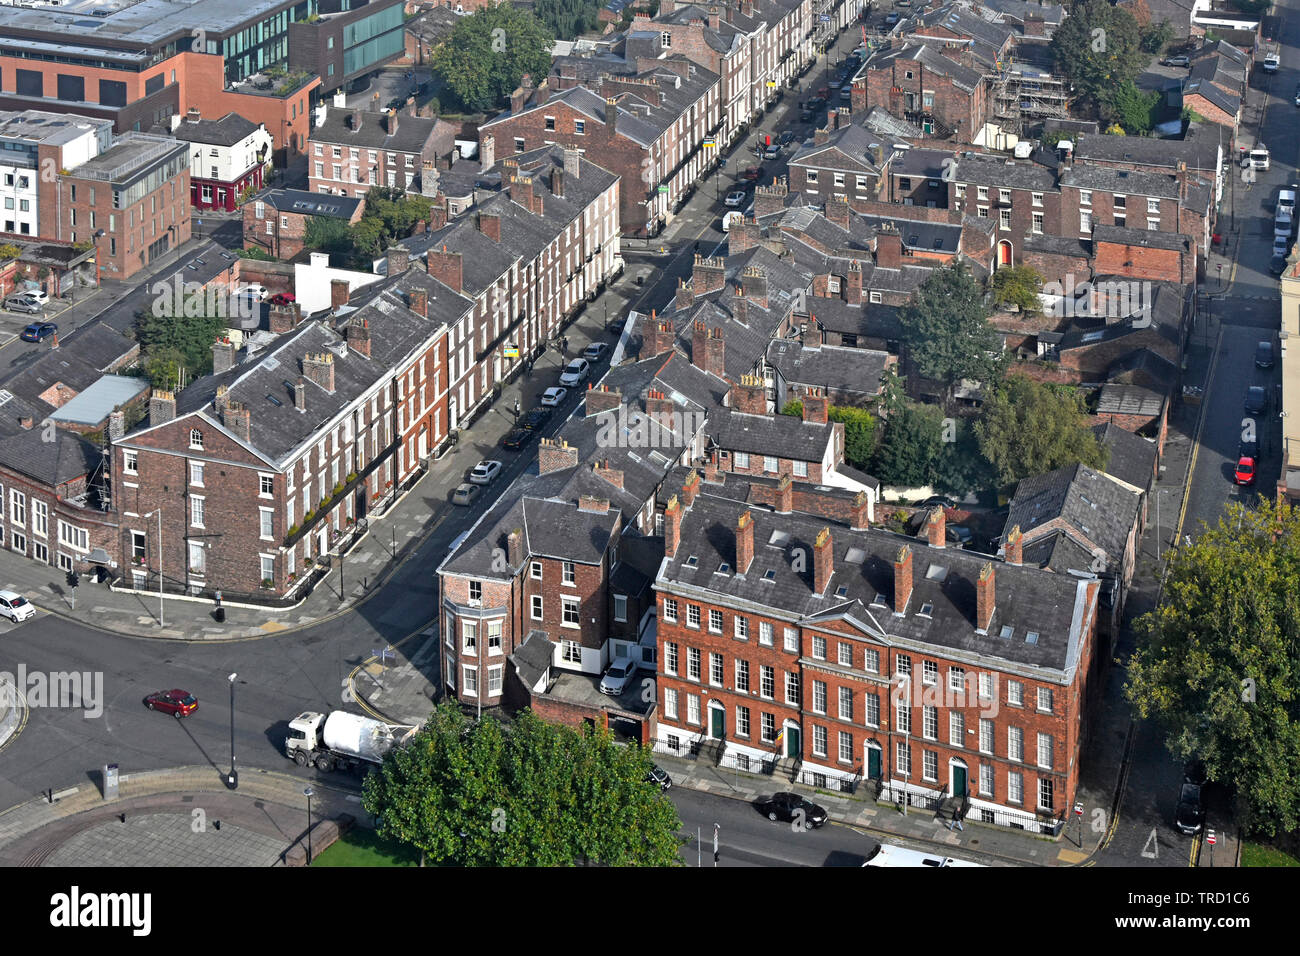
[342, 741]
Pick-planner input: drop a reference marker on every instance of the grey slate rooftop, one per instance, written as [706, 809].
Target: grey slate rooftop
[412, 135]
[1098, 509]
[227, 131]
[841, 369]
[306, 203]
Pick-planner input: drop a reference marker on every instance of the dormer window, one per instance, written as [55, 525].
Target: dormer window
[723, 568]
[927, 609]
[769, 575]
[693, 562]
[878, 600]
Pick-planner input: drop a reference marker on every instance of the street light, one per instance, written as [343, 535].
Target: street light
[308, 792]
[233, 780]
[99, 234]
[161, 619]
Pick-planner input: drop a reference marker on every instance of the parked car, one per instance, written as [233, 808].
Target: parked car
[618, 676]
[178, 703]
[942, 501]
[465, 494]
[1281, 247]
[1176, 61]
[1189, 816]
[806, 114]
[1256, 400]
[553, 396]
[535, 418]
[595, 351]
[659, 775]
[1244, 473]
[282, 298]
[575, 373]
[846, 94]
[39, 296]
[786, 138]
[891, 19]
[751, 172]
[15, 607]
[791, 806]
[38, 332]
[735, 199]
[772, 151]
[959, 533]
[1286, 200]
[516, 439]
[1194, 772]
[485, 472]
[1277, 265]
[1264, 355]
[1283, 225]
[22, 303]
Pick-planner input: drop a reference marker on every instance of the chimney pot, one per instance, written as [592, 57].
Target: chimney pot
[902, 579]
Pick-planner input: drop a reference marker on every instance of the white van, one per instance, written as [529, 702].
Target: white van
[1256, 158]
[1286, 203]
[886, 855]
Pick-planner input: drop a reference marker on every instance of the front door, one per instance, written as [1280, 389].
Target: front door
[958, 781]
[423, 443]
[716, 722]
[793, 743]
[873, 763]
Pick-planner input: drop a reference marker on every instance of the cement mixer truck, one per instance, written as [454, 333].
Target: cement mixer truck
[342, 741]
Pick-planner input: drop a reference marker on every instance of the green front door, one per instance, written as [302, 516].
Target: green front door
[716, 719]
[873, 763]
[958, 781]
[793, 743]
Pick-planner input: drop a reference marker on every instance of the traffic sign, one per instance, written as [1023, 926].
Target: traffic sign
[824, 17]
[1078, 809]
[1210, 839]
[709, 144]
[511, 351]
[663, 189]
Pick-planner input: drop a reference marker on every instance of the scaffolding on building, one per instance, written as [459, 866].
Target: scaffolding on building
[1024, 96]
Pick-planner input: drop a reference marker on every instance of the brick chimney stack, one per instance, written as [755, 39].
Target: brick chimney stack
[417, 300]
[691, 487]
[837, 211]
[223, 356]
[715, 353]
[984, 597]
[162, 407]
[740, 306]
[446, 267]
[300, 394]
[557, 182]
[487, 151]
[555, 454]
[672, 526]
[319, 368]
[708, 275]
[602, 399]
[744, 542]
[116, 425]
[785, 495]
[611, 117]
[614, 476]
[755, 282]
[515, 548]
[685, 297]
[816, 406]
[1015, 549]
[749, 395]
[238, 420]
[823, 561]
[284, 318]
[902, 578]
[889, 249]
[860, 512]
[853, 287]
[489, 223]
[399, 260]
[659, 409]
[935, 528]
[357, 332]
[338, 293]
[657, 338]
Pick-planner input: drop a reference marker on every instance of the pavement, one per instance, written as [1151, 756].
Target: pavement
[182, 813]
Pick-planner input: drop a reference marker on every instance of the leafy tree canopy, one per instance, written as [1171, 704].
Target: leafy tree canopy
[947, 332]
[1029, 428]
[175, 335]
[488, 53]
[568, 19]
[859, 430]
[1218, 663]
[912, 442]
[468, 793]
[1018, 286]
[1138, 111]
[1098, 48]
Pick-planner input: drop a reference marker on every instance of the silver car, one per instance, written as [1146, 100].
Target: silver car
[23, 303]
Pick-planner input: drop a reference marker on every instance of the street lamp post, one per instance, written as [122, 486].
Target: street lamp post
[162, 621]
[308, 792]
[233, 780]
[99, 234]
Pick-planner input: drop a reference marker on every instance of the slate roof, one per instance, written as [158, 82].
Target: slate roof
[1130, 182]
[1054, 607]
[1104, 511]
[1150, 238]
[1230, 103]
[848, 147]
[67, 458]
[413, 132]
[980, 169]
[1121, 399]
[306, 203]
[923, 163]
[783, 436]
[927, 54]
[1197, 150]
[99, 344]
[870, 319]
[1132, 459]
[533, 657]
[889, 127]
[227, 131]
[834, 367]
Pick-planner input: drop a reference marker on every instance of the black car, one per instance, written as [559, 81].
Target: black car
[1247, 449]
[1194, 770]
[535, 418]
[791, 806]
[1189, 817]
[39, 331]
[786, 138]
[516, 439]
[1256, 400]
[1277, 265]
[659, 776]
[1264, 355]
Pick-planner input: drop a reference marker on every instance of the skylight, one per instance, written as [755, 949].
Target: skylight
[879, 600]
[855, 556]
[1006, 632]
[769, 575]
[1031, 637]
[841, 591]
[926, 609]
[779, 539]
[936, 572]
[692, 562]
[723, 568]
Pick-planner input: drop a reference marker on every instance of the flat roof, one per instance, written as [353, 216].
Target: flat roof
[94, 404]
[140, 21]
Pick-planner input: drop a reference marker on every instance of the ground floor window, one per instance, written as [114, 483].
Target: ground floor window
[571, 652]
[65, 561]
[40, 552]
[20, 542]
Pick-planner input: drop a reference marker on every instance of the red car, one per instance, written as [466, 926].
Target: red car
[751, 172]
[1245, 473]
[178, 703]
[282, 298]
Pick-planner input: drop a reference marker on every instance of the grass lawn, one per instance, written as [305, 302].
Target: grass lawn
[360, 847]
[1252, 854]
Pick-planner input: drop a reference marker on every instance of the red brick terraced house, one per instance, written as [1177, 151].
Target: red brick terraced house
[1021, 198]
[276, 221]
[647, 127]
[527, 258]
[841, 655]
[351, 150]
[278, 456]
[917, 82]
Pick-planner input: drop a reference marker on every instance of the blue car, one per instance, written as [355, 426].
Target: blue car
[39, 331]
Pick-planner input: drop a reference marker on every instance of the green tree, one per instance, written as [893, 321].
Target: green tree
[163, 368]
[945, 326]
[568, 19]
[959, 468]
[1098, 48]
[1018, 286]
[1029, 428]
[912, 443]
[1138, 111]
[488, 53]
[471, 794]
[326, 234]
[859, 433]
[1218, 662]
[179, 332]
[1157, 36]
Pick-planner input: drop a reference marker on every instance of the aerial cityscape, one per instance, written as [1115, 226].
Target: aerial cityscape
[520, 433]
